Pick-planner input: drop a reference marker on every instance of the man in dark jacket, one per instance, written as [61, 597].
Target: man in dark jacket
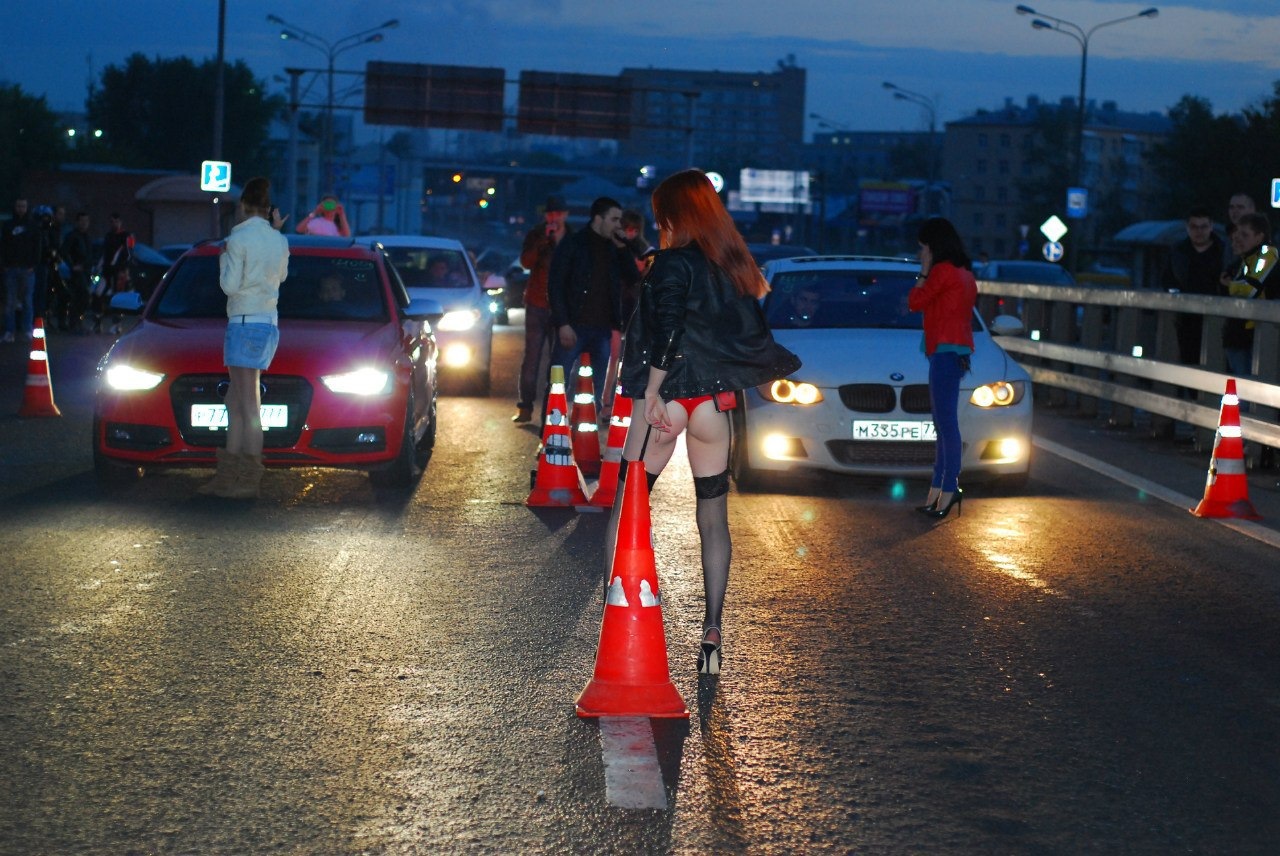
[589, 270]
[77, 252]
[1194, 265]
[19, 255]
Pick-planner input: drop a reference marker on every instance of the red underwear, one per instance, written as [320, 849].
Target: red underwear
[691, 404]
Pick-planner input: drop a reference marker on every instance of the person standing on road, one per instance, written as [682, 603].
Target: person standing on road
[697, 338]
[117, 252]
[1252, 279]
[254, 261]
[589, 271]
[1194, 263]
[946, 294]
[19, 255]
[535, 256]
[77, 253]
[327, 219]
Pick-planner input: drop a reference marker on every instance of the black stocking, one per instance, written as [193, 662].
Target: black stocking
[713, 530]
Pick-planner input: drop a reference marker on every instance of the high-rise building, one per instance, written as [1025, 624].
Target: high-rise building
[719, 120]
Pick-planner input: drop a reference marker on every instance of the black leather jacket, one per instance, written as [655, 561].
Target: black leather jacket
[693, 324]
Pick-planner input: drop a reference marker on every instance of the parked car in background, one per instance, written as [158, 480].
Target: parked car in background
[440, 269]
[173, 252]
[1019, 270]
[860, 403]
[146, 267]
[353, 383]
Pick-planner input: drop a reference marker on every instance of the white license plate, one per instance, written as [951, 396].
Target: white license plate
[214, 416]
[871, 429]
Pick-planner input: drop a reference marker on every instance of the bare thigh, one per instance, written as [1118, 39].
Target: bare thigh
[708, 440]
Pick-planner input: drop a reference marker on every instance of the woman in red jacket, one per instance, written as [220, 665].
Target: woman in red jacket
[945, 294]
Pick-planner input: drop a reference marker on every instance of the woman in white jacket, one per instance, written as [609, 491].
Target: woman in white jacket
[254, 261]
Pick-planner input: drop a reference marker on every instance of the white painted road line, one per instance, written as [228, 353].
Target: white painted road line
[1244, 527]
[632, 776]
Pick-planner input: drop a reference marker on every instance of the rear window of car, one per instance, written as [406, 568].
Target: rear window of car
[841, 299]
[421, 267]
[320, 288]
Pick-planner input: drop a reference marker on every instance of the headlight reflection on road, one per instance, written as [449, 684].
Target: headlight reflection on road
[1009, 533]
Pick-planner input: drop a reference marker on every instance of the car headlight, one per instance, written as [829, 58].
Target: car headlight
[1000, 394]
[790, 392]
[459, 319]
[126, 378]
[359, 382]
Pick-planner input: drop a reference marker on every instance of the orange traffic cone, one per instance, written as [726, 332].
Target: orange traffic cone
[1226, 490]
[557, 482]
[619, 422]
[586, 430]
[631, 675]
[37, 398]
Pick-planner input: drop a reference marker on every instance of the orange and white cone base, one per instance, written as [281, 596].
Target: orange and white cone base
[585, 423]
[557, 484]
[37, 395]
[611, 461]
[631, 676]
[1226, 490]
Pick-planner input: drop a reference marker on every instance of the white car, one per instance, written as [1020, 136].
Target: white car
[440, 269]
[860, 403]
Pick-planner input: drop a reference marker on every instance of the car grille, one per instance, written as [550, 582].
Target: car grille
[868, 397]
[882, 398]
[862, 452]
[210, 389]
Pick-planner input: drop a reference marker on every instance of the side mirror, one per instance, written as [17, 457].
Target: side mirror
[130, 302]
[1005, 325]
[425, 309]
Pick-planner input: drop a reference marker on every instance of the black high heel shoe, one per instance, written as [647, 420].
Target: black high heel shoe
[928, 507]
[709, 653]
[956, 499]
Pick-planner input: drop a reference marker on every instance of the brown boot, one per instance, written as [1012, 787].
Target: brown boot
[248, 475]
[228, 467]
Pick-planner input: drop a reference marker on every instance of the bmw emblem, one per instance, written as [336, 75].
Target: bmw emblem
[897, 376]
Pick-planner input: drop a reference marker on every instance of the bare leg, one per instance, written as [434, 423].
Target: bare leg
[661, 445]
[244, 412]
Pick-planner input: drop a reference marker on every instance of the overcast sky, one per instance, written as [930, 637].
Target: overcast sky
[964, 54]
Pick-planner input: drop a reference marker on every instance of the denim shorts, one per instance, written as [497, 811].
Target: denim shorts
[250, 346]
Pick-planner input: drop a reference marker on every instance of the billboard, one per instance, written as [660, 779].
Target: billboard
[780, 186]
[574, 105]
[433, 96]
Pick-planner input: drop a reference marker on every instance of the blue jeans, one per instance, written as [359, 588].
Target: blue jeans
[19, 286]
[591, 340]
[945, 372]
[1239, 361]
[537, 333]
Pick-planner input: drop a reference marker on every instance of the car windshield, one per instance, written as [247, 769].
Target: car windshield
[320, 288]
[841, 299]
[423, 267]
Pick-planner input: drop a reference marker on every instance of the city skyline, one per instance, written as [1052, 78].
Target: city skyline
[1144, 65]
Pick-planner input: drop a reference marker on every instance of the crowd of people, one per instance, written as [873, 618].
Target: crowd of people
[53, 271]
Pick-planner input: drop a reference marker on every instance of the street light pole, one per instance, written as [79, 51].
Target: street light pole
[1042, 21]
[331, 50]
[931, 108]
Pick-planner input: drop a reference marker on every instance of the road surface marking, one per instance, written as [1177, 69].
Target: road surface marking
[632, 777]
[1244, 527]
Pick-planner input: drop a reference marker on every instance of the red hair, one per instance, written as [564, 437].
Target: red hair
[689, 211]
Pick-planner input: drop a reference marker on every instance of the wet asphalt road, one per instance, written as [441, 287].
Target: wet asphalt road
[335, 670]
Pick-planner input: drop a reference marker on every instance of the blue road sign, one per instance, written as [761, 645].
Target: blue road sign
[1275, 193]
[215, 176]
[1052, 250]
[1077, 203]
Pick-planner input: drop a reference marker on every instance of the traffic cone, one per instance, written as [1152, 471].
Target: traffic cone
[37, 397]
[586, 428]
[557, 482]
[607, 488]
[631, 676]
[1226, 490]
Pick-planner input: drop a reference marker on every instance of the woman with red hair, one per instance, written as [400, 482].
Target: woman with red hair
[697, 337]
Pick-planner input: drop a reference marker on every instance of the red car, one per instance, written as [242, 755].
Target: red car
[353, 383]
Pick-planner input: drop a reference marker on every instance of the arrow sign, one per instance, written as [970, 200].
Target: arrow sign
[215, 176]
[1052, 251]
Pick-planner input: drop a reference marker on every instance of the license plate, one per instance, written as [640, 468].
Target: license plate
[214, 416]
[870, 429]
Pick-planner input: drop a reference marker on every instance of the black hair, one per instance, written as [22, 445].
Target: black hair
[944, 242]
[602, 205]
[1257, 223]
[1198, 212]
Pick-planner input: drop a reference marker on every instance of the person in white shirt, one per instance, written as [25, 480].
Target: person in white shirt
[254, 261]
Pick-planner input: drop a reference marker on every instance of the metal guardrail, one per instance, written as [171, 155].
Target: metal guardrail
[1120, 346]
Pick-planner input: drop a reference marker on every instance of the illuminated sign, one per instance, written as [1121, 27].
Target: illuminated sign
[783, 186]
